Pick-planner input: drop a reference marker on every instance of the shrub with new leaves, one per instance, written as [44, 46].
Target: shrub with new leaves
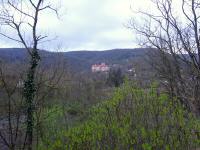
[134, 119]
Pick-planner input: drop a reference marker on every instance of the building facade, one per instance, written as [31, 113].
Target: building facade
[100, 68]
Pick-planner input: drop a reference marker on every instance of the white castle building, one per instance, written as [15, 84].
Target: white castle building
[100, 67]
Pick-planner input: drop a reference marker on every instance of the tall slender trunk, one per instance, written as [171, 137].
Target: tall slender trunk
[29, 94]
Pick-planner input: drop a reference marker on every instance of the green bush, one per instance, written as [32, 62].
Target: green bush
[134, 119]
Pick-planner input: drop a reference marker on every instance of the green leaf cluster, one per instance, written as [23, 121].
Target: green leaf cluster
[134, 119]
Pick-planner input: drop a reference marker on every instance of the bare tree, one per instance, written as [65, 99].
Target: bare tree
[173, 30]
[11, 106]
[49, 80]
[22, 17]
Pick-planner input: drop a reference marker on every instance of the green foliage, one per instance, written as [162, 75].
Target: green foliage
[75, 109]
[133, 119]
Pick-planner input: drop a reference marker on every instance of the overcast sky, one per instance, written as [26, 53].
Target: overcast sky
[90, 25]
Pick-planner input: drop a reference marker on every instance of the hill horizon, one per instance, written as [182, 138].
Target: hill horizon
[80, 60]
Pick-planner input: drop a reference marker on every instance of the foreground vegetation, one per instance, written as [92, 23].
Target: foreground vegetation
[43, 106]
[132, 119]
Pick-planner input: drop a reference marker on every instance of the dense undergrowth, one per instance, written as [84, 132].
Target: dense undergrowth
[133, 119]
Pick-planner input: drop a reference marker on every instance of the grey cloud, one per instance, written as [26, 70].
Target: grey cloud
[90, 24]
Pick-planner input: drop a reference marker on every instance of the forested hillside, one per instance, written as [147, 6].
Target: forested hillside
[78, 60]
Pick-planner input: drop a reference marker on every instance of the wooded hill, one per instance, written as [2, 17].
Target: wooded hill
[78, 60]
